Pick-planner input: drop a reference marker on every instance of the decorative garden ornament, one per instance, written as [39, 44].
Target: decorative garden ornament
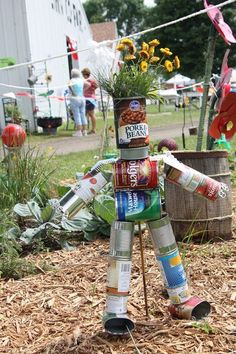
[217, 19]
[13, 136]
[135, 178]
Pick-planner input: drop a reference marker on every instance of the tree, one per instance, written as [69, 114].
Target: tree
[188, 39]
[129, 15]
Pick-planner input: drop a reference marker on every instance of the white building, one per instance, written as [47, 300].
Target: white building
[35, 29]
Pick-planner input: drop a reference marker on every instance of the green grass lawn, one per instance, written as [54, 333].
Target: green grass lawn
[66, 166]
[166, 115]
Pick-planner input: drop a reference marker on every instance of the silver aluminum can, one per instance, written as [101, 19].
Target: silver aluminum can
[162, 235]
[121, 239]
[134, 153]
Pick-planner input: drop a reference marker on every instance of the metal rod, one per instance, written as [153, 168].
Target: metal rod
[143, 269]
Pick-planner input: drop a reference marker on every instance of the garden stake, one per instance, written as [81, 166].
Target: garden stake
[143, 268]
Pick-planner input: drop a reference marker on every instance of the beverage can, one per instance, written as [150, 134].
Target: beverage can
[135, 174]
[138, 205]
[131, 123]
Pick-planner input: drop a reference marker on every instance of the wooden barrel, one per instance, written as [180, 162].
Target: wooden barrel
[196, 218]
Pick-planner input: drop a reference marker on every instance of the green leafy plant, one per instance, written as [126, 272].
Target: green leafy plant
[12, 265]
[204, 327]
[140, 70]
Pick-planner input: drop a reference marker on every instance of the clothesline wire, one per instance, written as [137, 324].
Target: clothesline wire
[109, 42]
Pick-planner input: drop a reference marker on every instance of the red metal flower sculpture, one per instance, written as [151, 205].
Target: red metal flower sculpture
[217, 19]
[225, 121]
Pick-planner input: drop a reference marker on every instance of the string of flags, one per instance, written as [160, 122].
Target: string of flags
[48, 94]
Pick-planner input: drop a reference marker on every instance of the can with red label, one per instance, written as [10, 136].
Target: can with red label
[196, 182]
[135, 174]
[131, 123]
[194, 308]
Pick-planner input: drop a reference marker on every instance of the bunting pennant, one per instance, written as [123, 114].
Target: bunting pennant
[46, 94]
[217, 19]
[25, 94]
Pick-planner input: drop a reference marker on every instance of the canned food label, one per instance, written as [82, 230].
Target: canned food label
[136, 174]
[116, 304]
[179, 294]
[118, 278]
[89, 187]
[132, 131]
[131, 123]
[138, 205]
[196, 182]
[172, 269]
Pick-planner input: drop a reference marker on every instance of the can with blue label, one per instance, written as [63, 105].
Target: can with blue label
[172, 269]
[131, 123]
[138, 205]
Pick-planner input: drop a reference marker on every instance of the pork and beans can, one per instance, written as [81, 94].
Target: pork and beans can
[135, 174]
[138, 205]
[131, 123]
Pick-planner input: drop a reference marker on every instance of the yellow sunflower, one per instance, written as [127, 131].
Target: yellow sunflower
[126, 41]
[176, 62]
[154, 42]
[154, 60]
[120, 47]
[168, 65]
[129, 57]
[144, 54]
[132, 49]
[151, 50]
[145, 46]
[166, 51]
[143, 66]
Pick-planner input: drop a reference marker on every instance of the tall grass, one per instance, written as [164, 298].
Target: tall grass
[23, 173]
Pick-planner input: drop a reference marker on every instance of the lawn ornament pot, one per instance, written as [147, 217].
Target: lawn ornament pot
[13, 136]
[137, 197]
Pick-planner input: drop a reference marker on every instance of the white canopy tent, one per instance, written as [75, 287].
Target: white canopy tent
[180, 80]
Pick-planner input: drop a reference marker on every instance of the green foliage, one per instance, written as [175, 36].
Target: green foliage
[189, 37]
[24, 174]
[129, 15]
[204, 327]
[11, 264]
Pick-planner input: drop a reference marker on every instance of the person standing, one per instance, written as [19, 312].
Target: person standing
[90, 96]
[77, 102]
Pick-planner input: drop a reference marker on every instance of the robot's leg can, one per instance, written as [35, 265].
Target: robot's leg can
[172, 270]
[115, 318]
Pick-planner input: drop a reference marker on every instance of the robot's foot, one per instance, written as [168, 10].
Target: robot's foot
[117, 324]
[194, 308]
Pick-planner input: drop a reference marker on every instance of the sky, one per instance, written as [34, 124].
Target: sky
[149, 2]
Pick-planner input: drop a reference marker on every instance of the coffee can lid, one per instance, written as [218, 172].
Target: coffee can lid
[134, 153]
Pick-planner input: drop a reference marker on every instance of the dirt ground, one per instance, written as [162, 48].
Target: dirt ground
[60, 311]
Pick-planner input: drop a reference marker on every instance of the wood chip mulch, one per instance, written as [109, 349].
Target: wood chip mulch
[60, 311]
